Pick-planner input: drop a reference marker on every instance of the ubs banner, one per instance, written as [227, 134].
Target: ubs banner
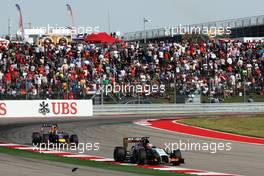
[46, 108]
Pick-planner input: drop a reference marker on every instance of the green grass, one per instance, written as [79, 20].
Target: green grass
[249, 125]
[96, 164]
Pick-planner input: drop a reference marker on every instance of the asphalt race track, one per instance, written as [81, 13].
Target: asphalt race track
[242, 159]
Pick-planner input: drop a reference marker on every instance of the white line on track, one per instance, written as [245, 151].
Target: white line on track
[103, 159]
[7, 145]
[173, 168]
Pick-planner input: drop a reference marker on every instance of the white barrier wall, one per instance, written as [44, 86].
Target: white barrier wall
[46, 108]
[151, 109]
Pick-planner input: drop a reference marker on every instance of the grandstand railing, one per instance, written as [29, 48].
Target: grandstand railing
[232, 23]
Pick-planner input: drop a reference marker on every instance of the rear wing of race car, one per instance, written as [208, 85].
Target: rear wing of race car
[129, 140]
[48, 125]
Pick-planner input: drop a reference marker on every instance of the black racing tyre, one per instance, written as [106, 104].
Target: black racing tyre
[119, 154]
[74, 139]
[45, 138]
[177, 154]
[165, 159]
[142, 156]
[52, 138]
[36, 138]
[66, 137]
[134, 157]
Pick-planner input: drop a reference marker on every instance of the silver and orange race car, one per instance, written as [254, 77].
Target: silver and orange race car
[139, 150]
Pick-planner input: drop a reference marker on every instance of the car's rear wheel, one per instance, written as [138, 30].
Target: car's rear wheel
[74, 139]
[119, 154]
[53, 138]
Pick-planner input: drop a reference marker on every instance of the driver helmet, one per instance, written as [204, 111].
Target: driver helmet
[149, 146]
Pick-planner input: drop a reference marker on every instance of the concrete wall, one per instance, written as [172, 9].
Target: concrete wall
[178, 108]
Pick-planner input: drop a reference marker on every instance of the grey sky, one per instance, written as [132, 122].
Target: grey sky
[126, 15]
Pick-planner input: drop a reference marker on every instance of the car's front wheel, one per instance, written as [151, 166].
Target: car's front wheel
[142, 156]
[178, 156]
[36, 138]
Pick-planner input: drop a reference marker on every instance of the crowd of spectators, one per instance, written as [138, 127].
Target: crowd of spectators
[219, 68]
